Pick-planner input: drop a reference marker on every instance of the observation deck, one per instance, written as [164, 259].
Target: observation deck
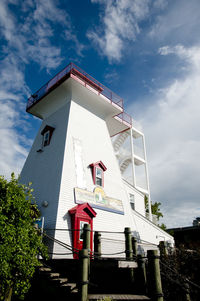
[81, 77]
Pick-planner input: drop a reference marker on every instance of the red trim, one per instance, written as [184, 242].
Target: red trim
[101, 166]
[63, 75]
[81, 213]
[87, 80]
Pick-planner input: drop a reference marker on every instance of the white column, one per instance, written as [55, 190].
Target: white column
[147, 178]
[132, 159]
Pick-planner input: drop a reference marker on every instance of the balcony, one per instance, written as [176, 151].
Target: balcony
[82, 77]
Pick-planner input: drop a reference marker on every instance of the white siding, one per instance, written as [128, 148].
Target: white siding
[53, 173]
[44, 169]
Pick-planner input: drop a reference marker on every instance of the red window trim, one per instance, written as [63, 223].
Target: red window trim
[46, 129]
[101, 166]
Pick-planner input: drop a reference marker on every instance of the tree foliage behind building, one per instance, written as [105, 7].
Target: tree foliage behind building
[20, 242]
[155, 209]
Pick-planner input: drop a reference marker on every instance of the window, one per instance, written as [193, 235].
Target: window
[132, 201]
[98, 169]
[46, 138]
[99, 176]
[81, 228]
[47, 134]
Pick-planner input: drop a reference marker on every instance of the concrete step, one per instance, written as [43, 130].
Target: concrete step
[44, 269]
[117, 297]
[68, 284]
[54, 275]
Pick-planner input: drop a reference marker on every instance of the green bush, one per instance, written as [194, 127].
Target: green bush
[20, 241]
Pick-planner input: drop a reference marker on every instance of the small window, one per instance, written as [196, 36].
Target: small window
[81, 229]
[98, 169]
[99, 176]
[47, 134]
[46, 138]
[132, 201]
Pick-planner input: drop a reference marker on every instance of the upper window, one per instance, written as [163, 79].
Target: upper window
[47, 134]
[132, 200]
[98, 169]
[99, 176]
[46, 138]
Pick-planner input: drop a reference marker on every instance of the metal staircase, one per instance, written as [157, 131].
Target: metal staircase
[125, 163]
[120, 140]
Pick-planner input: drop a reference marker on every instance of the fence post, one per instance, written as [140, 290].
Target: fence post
[154, 275]
[97, 245]
[86, 236]
[141, 274]
[163, 248]
[187, 292]
[84, 271]
[86, 243]
[129, 251]
[128, 243]
[134, 245]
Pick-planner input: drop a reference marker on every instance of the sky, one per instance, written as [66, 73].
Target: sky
[146, 51]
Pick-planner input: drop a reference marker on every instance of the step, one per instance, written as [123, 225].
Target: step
[117, 297]
[44, 269]
[60, 280]
[54, 275]
[68, 284]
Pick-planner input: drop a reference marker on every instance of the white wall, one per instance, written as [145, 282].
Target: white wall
[139, 197]
[44, 169]
[53, 174]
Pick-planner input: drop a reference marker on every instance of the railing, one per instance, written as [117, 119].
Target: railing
[74, 71]
[125, 118]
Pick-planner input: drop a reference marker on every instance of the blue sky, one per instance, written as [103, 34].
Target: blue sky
[146, 51]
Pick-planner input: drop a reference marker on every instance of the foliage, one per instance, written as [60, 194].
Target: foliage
[20, 242]
[155, 209]
[163, 227]
[179, 269]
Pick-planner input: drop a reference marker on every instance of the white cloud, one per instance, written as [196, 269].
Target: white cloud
[70, 36]
[12, 153]
[120, 23]
[191, 55]
[33, 39]
[160, 4]
[177, 20]
[171, 124]
[27, 37]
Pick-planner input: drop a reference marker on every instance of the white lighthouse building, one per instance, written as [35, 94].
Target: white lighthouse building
[88, 165]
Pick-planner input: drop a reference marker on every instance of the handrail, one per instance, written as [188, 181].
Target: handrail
[69, 70]
[125, 117]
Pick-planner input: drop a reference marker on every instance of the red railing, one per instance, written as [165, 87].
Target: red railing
[125, 117]
[69, 70]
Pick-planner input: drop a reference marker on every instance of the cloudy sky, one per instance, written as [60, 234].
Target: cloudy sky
[147, 51]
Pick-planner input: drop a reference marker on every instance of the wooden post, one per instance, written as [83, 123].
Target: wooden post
[128, 243]
[86, 243]
[187, 292]
[134, 246]
[141, 275]
[129, 252]
[154, 275]
[163, 248]
[97, 245]
[86, 236]
[83, 285]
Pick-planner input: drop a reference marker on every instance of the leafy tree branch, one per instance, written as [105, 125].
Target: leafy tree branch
[20, 241]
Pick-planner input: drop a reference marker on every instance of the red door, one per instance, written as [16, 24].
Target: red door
[80, 215]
